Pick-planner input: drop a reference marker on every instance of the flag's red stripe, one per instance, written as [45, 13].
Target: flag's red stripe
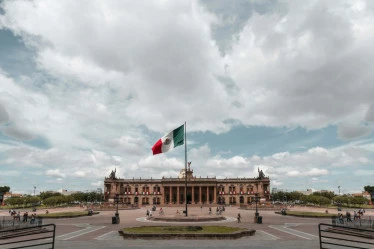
[157, 147]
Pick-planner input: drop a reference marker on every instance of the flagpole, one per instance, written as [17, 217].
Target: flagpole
[185, 164]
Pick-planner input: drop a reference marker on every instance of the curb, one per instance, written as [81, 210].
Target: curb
[166, 236]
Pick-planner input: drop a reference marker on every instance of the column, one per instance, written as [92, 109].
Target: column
[170, 194]
[207, 194]
[193, 195]
[200, 201]
[215, 194]
[178, 195]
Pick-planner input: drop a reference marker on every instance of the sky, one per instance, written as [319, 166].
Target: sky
[87, 87]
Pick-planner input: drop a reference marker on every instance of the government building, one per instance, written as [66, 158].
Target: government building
[200, 191]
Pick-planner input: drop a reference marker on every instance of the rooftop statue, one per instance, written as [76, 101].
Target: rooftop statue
[261, 174]
[113, 174]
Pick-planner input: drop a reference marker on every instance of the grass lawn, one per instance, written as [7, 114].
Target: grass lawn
[308, 214]
[64, 214]
[182, 230]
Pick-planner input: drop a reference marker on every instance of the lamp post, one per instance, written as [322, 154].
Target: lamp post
[256, 200]
[116, 199]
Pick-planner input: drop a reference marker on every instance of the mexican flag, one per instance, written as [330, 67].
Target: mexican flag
[169, 141]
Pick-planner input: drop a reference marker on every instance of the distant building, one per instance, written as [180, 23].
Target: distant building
[309, 191]
[364, 194]
[8, 195]
[322, 191]
[171, 191]
[99, 191]
[66, 192]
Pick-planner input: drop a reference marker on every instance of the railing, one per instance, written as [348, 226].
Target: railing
[10, 222]
[337, 236]
[41, 237]
[366, 223]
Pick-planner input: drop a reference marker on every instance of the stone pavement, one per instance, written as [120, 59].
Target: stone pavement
[276, 231]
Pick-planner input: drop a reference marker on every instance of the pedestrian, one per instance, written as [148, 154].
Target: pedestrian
[348, 216]
[32, 218]
[25, 215]
[341, 220]
[239, 217]
[355, 216]
[147, 213]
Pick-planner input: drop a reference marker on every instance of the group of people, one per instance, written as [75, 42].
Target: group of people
[17, 216]
[148, 213]
[356, 215]
[219, 210]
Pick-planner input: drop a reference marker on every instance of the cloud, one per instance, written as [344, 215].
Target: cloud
[56, 172]
[316, 172]
[353, 131]
[292, 70]
[98, 97]
[4, 116]
[17, 132]
[369, 117]
[97, 184]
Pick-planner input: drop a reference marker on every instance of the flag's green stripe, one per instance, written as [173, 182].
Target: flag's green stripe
[178, 136]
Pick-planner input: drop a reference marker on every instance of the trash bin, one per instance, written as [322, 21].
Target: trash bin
[114, 220]
[259, 219]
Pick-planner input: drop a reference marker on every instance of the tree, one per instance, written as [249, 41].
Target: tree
[14, 201]
[4, 189]
[47, 194]
[368, 188]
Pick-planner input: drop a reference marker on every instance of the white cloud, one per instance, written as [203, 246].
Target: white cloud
[316, 172]
[97, 184]
[106, 80]
[55, 172]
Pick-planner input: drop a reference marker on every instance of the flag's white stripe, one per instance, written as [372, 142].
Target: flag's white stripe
[165, 147]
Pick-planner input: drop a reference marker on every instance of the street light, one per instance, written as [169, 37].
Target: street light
[256, 200]
[116, 199]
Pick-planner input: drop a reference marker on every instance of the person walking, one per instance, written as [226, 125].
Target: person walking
[348, 216]
[239, 217]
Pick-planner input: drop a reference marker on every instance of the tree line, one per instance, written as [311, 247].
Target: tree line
[53, 199]
[319, 198]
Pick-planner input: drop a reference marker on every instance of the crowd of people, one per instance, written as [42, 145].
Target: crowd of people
[219, 210]
[25, 217]
[356, 216]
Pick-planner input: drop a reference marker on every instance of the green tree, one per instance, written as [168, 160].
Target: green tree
[368, 188]
[31, 200]
[4, 189]
[47, 194]
[14, 201]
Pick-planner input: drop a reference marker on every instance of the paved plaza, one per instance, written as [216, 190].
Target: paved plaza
[97, 231]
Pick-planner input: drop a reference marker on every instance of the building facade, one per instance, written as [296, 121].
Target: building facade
[200, 191]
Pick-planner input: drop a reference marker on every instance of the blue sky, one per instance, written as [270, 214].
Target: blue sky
[87, 87]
